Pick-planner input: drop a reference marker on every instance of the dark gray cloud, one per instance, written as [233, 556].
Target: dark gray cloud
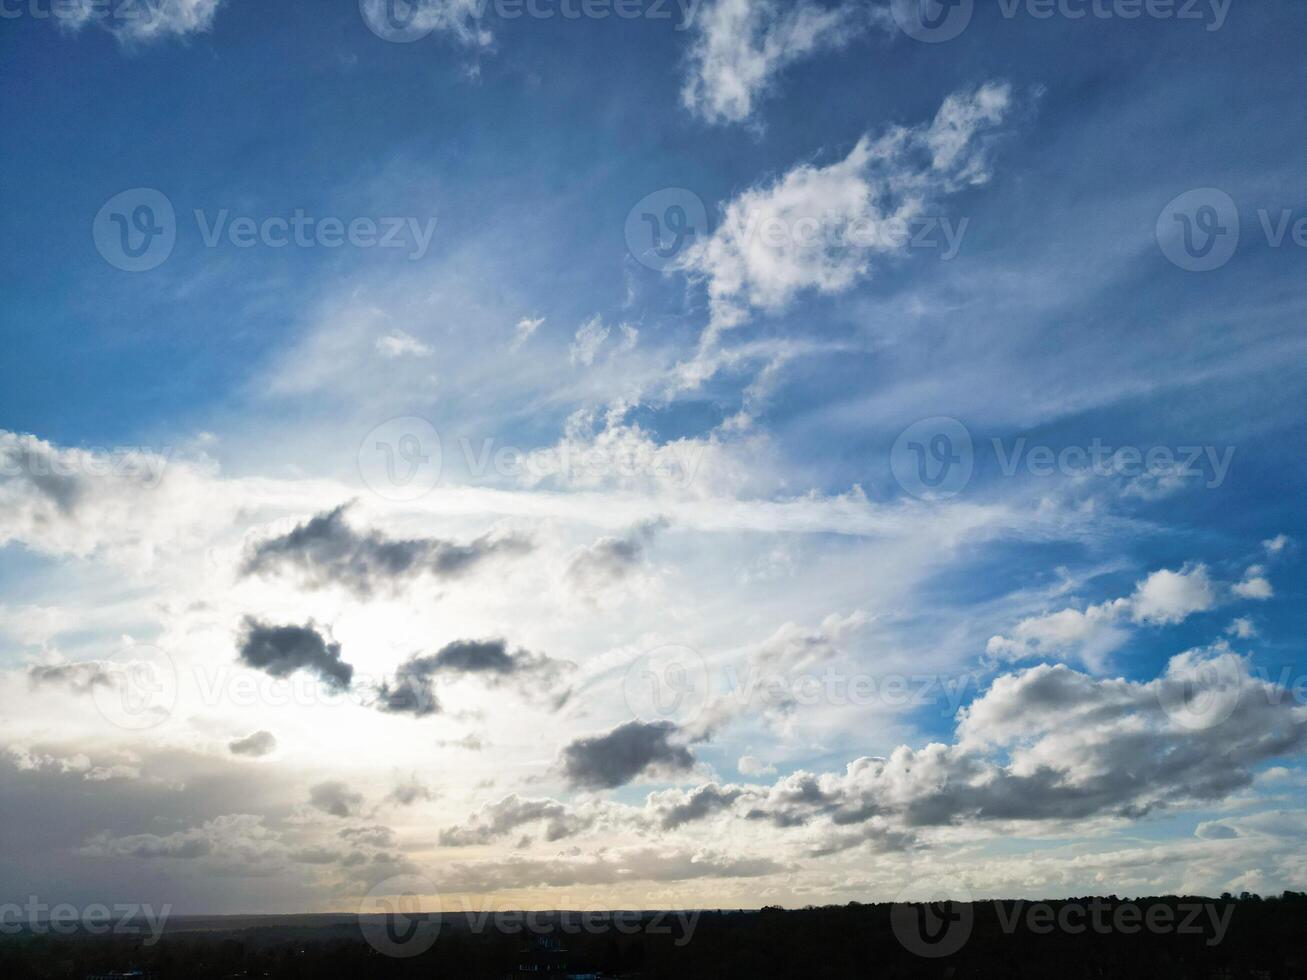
[180, 845]
[45, 469]
[498, 820]
[412, 690]
[698, 804]
[282, 650]
[611, 560]
[408, 792]
[336, 798]
[255, 744]
[326, 550]
[79, 677]
[374, 835]
[628, 751]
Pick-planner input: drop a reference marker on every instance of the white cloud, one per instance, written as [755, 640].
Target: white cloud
[1255, 585]
[1092, 635]
[817, 228]
[129, 500]
[751, 766]
[590, 337]
[739, 47]
[1167, 597]
[147, 21]
[1242, 628]
[401, 344]
[523, 331]
[1277, 544]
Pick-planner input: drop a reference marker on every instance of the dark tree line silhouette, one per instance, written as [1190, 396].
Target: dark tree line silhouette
[1264, 941]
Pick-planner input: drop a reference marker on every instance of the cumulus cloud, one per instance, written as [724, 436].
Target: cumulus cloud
[255, 744]
[793, 647]
[126, 502]
[1277, 544]
[738, 48]
[1052, 744]
[603, 450]
[675, 808]
[496, 821]
[326, 550]
[534, 675]
[611, 559]
[1168, 597]
[336, 798]
[1093, 634]
[1255, 585]
[80, 677]
[240, 835]
[789, 651]
[629, 751]
[750, 766]
[409, 791]
[818, 228]
[78, 764]
[282, 650]
[1242, 628]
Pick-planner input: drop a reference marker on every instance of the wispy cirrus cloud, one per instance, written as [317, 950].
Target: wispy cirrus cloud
[739, 48]
[818, 228]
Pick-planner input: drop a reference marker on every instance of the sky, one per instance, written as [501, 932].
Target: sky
[650, 454]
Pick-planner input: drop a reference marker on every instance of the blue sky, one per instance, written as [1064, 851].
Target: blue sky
[774, 400]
